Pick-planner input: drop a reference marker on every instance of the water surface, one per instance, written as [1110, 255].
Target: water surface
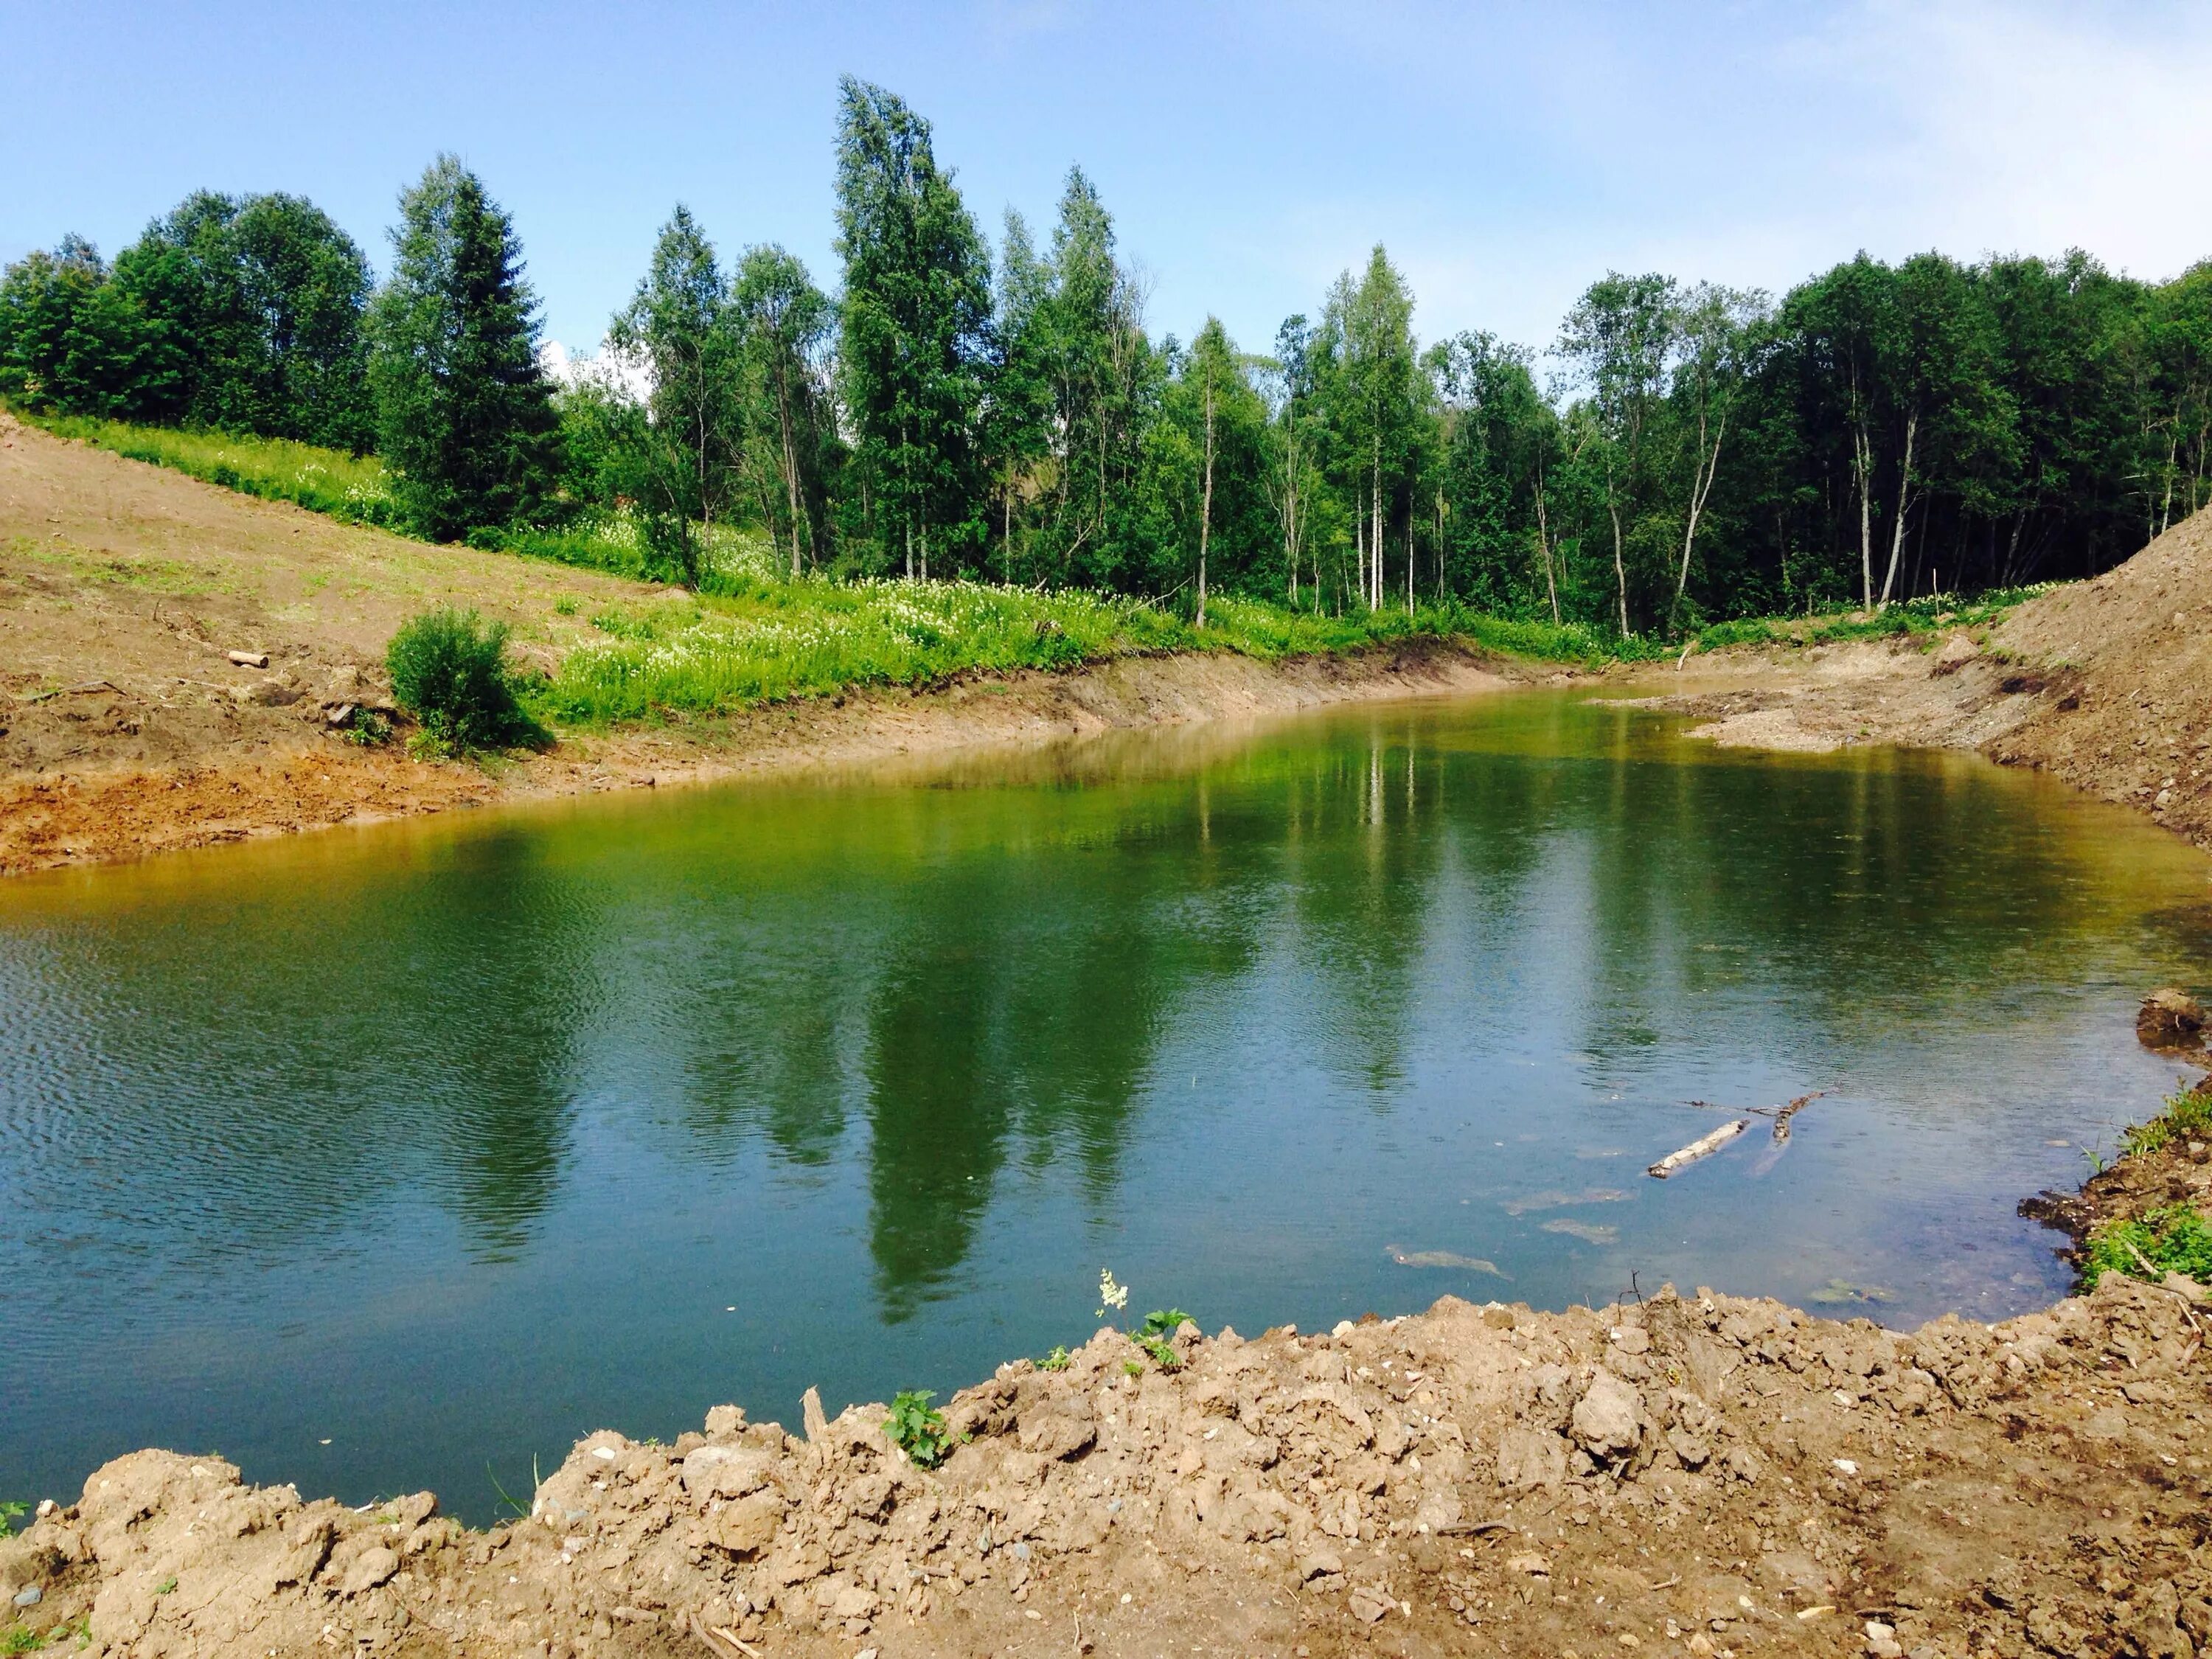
[397, 1158]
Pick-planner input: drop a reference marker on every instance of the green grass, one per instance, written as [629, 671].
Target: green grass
[750, 635]
[751, 639]
[2187, 1117]
[2172, 1240]
[353, 488]
[1905, 616]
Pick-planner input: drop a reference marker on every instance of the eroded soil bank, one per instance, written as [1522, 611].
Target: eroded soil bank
[1690, 1475]
[308, 780]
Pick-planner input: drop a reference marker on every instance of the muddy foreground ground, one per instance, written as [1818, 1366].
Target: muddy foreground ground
[1692, 1474]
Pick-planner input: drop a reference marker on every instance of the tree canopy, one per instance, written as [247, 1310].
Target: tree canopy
[1679, 452]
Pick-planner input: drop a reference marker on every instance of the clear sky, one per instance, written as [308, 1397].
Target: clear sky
[1505, 154]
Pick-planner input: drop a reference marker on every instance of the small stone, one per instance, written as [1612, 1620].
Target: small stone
[1343, 1328]
[29, 1596]
[46, 1507]
[1368, 1604]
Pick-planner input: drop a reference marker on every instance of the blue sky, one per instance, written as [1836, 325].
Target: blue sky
[1506, 154]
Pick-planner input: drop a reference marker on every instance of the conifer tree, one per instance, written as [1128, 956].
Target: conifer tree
[465, 414]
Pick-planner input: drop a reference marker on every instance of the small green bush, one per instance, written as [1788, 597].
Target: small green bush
[916, 1430]
[449, 670]
[2173, 1240]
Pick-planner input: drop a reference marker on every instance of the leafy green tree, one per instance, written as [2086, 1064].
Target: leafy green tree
[1619, 335]
[465, 414]
[1374, 387]
[916, 318]
[1020, 434]
[1719, 332]
[784, 323]
[680, 327]
[264, 297]
[1501, 440]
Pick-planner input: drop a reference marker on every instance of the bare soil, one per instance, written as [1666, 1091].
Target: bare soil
[125, 730]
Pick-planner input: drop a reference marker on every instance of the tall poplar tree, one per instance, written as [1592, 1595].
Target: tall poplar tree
[464, 416]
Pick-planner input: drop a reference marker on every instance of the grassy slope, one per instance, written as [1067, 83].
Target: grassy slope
[752, 635]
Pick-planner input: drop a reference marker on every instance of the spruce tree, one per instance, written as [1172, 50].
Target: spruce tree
[464, 416]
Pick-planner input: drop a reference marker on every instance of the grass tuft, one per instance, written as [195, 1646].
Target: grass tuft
[2187, 1117]
[2172, 1240]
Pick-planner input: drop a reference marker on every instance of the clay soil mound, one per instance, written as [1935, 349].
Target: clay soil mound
[2120, 672]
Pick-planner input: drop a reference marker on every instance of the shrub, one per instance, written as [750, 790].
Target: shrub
[449, 670]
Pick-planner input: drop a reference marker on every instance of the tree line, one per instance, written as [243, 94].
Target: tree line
[1678, 452]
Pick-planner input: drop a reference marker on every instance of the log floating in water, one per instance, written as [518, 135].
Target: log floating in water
[1702, 1146]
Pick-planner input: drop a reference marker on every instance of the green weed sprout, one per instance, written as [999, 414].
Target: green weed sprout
[916, 1430]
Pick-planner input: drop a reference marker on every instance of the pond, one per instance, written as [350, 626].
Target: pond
[401, 1156]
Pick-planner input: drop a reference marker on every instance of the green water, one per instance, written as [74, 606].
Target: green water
[377, 1157]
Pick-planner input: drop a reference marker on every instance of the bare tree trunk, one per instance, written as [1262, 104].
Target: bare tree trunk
[1374, 569]
[1544, 544]
[1206, 511]
[1620, 564]
[1862, 463]
[1701, 487]
[1903, 500]
[790, 463]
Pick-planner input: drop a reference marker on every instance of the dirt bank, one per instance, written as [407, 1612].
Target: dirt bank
[125, 728]
[111, 812]
[1692, 1474]
[2105, 683]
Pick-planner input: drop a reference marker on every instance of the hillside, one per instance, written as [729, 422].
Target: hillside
[126, 729]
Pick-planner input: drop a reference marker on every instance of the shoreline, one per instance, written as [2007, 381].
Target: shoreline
[119, 814]
[1700, 1473]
